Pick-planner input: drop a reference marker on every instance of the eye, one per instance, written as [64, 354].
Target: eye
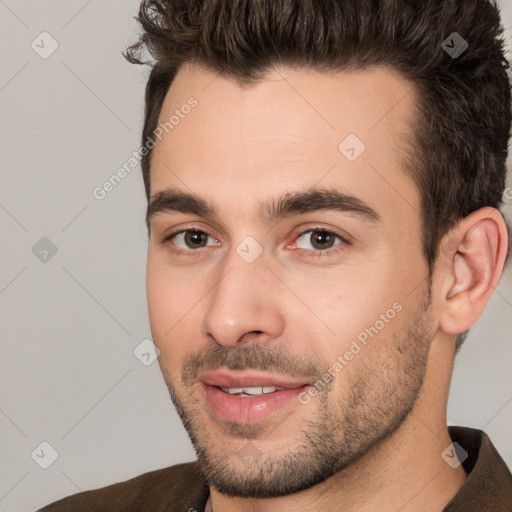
[189, 240]
[314, 241]
[319, 241]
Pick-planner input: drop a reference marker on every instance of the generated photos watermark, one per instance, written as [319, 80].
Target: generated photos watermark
[357, 345]
[100, 192]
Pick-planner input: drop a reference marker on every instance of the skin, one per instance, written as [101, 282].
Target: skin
[371, 440]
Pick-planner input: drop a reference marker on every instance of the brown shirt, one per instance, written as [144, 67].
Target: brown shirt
[182, 488]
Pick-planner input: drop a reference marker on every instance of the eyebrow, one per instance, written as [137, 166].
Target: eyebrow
[285, 206]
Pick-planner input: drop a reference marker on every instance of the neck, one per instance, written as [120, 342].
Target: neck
[403, 472]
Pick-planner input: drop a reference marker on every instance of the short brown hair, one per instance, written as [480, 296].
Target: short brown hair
[458, 149]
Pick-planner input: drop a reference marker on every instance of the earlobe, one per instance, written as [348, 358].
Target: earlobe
[473, 269]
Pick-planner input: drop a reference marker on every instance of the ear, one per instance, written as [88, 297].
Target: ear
[473, 256]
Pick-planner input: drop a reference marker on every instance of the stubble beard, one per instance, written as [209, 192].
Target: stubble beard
[373, 404]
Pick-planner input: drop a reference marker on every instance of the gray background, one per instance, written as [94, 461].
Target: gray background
[70, 324]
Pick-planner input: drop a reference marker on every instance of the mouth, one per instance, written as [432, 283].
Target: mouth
[251, 391]
[246, 398]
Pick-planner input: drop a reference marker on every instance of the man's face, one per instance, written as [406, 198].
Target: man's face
[246, 300]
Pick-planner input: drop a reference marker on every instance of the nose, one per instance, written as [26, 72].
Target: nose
[244, 305]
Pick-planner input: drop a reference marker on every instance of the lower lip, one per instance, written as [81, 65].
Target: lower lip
[250, 409]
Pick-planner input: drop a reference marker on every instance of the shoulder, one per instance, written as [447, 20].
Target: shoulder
[488, 485]
[181, 487]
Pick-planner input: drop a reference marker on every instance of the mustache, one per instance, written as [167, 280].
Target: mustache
[254, 357]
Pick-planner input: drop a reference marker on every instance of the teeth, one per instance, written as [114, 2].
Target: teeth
[254, 391]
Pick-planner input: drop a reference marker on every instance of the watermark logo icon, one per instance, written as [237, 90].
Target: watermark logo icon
[249, 250]
[44, 45]
[352, 147]
[454, 45]
[454, 455]
[44, 250]
[146, 352]
[44, 455]
[248, 454]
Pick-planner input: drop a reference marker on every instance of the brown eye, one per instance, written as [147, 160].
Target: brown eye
[189, 240]
[318, 240]
[322, 239]
[194, 239]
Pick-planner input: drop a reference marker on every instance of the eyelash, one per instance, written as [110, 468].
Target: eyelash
[315, 253]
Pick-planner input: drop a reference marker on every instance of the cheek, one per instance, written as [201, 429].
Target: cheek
[174, 312]
[364, 307]
[166, 301]
[158, 295]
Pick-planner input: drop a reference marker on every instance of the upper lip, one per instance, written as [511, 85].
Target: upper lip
[226, 379]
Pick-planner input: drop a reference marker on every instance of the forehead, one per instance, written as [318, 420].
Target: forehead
[292, 129]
